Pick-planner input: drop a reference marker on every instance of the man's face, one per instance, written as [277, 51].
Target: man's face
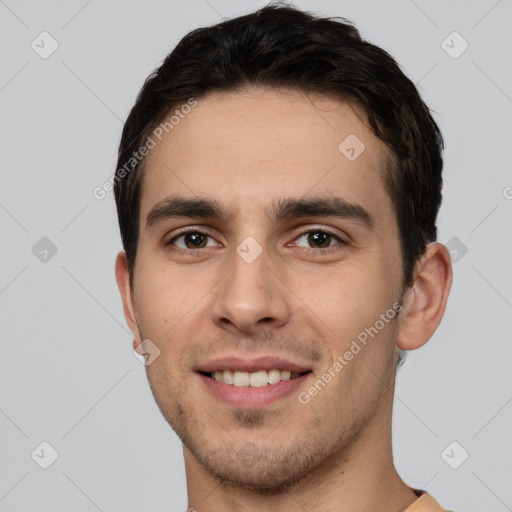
[269, 288]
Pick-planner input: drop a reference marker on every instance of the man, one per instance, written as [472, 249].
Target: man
[277, 189]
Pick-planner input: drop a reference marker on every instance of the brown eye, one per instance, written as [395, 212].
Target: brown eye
[192, 240]
[195, 240]
[318, 239]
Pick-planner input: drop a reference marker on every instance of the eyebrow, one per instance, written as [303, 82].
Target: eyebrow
[282, 209]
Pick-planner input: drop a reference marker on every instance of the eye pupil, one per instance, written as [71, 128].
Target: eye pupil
[196, 239]
[319, 238]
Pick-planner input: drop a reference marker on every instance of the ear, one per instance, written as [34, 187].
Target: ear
[125, 288]
[425, 302]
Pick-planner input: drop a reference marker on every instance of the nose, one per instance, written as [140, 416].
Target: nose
[251, 297]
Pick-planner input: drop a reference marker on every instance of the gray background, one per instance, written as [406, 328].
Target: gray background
[68, 375]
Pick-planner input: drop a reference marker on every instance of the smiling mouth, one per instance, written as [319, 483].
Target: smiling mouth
[256, 379]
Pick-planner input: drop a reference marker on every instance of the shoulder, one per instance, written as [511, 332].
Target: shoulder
[425, 503]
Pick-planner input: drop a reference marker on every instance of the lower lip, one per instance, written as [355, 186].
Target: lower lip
[247, 397]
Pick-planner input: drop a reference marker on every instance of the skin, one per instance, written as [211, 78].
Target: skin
[246, 150]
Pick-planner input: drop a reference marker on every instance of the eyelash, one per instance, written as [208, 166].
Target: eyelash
[309, 251]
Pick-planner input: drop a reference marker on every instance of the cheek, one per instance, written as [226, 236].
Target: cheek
[344, 296]
[343, 309]
[162, 286]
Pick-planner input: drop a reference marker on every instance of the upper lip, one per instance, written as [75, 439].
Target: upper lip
[244, 364]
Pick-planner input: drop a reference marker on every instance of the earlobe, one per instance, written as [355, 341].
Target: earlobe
[126, 291]
[425, 302]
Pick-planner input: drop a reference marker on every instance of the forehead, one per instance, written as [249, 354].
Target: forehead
[246, 149]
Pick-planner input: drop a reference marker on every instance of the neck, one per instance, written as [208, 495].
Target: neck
[361, 478]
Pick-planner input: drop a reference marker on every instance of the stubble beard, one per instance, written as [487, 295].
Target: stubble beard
[249, 463]
[320, 446]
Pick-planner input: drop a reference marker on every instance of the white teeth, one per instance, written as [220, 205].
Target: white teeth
[258, 379]
[228, 377]
[253, 379]
[274, 376]
[241, 379]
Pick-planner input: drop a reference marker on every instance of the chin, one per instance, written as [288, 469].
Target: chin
[267, 480]
[266, 470]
